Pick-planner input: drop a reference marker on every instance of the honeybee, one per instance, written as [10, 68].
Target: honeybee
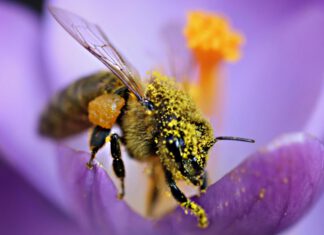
[158, 119]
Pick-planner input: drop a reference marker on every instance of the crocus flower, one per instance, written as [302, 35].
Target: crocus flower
[265, 194]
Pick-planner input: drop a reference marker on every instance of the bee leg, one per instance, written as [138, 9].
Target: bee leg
[97, 141]
[186, 203]
[118, 164]
[204, 185]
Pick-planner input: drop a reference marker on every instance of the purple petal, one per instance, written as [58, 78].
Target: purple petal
[313, 221]
[25, 211]
[275, 86]
[267, 193]
[315, 124]
[92, 197]
[23, 95]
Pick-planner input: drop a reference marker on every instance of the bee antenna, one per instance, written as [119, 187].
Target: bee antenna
[234, 138]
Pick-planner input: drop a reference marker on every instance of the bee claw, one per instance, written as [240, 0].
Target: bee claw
[120, 196]
[89, 165]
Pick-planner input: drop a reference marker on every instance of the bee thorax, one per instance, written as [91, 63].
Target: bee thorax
[138, 128]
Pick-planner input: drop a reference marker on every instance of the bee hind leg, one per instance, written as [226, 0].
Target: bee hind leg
[97, 141]
[186, 203]
[118, 164]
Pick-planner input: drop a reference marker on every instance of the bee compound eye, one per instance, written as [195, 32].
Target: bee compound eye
[175, 146]
[148, 104]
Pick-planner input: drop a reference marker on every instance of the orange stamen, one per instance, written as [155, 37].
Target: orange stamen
[212, 41]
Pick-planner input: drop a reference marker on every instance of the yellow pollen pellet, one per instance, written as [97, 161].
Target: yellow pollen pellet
[105, 109]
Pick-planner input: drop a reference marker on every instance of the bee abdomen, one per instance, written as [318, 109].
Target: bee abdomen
[67, 112]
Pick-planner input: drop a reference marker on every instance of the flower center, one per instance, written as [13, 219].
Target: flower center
[211, 41]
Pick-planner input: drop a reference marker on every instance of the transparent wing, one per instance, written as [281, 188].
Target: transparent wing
[92, 38]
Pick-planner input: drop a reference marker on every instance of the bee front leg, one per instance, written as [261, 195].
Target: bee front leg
[97, 141]
[185, 203]
[118, 164]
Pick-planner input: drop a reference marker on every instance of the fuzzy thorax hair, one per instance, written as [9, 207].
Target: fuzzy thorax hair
[177, 116]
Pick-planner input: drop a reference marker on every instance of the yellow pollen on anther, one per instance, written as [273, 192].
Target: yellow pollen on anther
[212, 41]
[210, 37]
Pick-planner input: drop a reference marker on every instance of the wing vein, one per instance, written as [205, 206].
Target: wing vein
[92, 38]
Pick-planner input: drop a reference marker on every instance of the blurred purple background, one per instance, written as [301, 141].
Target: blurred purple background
[275, 89]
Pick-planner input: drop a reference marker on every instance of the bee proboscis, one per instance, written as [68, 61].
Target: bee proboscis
[158, 119]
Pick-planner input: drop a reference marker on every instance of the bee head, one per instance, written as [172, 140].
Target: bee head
[184, 146]
[183, 135]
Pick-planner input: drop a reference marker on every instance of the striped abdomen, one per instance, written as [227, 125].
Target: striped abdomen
[67, 112]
